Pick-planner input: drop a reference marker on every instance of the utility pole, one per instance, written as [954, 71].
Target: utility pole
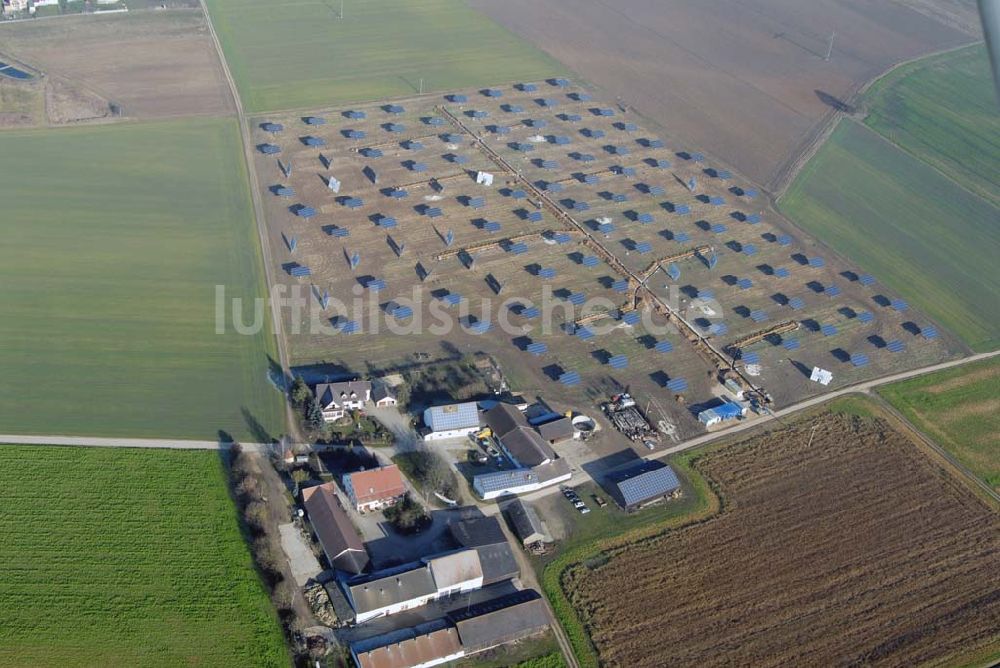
[829, 46]
[421, 85]
[342, 13]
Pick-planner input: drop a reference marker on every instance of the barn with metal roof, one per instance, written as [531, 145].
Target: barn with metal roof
[642, 483]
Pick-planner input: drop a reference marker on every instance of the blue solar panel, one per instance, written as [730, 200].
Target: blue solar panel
[398, 193]
[457, 98]
[644, 247]
[376, 284]
[663, 347]
[831, 290]
[527, 87]
[284, 192]
[791, 344]
[412, 145]
[866, 316]
[570, 378]
[750, 357]
[433, 212]
[314, 120]
[758, 315]
[583, 334]
[547, 272]
[929, 332]
[859, 359]
[796, 303]
[682, 237]
[619, 198]
[645, 218]
[299, 271]
[718, 228]
[590, 261]
[518, 248]
[491, 226]
[591, 179]
[706, 293]
[662, 164]
[698, 157]
[744, 283]
[534, 216]
[750, 193]
[782, 272]
[900, 305]
[816, 262]
[828, 330]
[269, 149]
[480, 327]
[749, 250]
[753, 218]
[314, 141]
[673, 271]
[371, 153]
[677, 384]
[867, 279]
[531, 312]
[305, 212]
[452, 299]
[605, 228]
[784, 240]
[656, 190]
[339, 232]
[401, 312]
[585, 157]
[537, 348]
[895, 346]
[618, 361]
[550, 164]
[682, 209]
[716, 201]
[577, 298]
[387, 222]
[718, 329]
[350, 327]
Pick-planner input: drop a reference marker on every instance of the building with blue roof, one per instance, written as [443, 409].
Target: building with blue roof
[451, 421]
[642, 483]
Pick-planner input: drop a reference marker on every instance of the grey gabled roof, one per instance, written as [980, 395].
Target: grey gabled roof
[527, 525]
[478, 531]
[559, 429]
[526, 446]
[378, 590]
[333, 527]
[645, 481]
[500, 620]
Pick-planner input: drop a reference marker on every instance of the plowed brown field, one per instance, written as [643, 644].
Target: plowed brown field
[854, 550]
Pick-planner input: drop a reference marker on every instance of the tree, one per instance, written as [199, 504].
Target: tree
[299, 476]
[314, 415]
[299, 393]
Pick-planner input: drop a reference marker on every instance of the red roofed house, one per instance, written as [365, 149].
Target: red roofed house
[374, 489]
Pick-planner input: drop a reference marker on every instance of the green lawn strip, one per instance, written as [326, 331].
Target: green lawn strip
[610, 529]
[115, 238]
[922, 236]
[943, 110]
[962, 417]
[116, 557]
[304, 55]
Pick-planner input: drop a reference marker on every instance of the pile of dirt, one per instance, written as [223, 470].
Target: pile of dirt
[319, 602]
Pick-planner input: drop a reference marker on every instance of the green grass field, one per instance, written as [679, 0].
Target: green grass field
[301, 54]
[943, 110]
[121, 557]
[114, 239]
[959, 409]
[917, 231]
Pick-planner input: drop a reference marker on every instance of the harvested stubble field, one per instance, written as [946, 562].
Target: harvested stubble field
[118, 557]
[153, 64]
[854, 548]
[303, 54]
[959, 409]
[328, 256]
[744, 80]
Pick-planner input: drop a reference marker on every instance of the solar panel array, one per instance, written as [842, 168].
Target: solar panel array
[677, 384]
[569, 378]
[618, 361]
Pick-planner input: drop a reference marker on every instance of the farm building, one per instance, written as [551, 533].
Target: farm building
[374, 489]
[725, 411]
[425, 645]
[336, 399]
[522, 444]
[502, 620]
[642, 483]
[521, 481]
[337, 536]
[451, 421]
[412, 585]
[556, 431]
[486, 536]
[527, 525]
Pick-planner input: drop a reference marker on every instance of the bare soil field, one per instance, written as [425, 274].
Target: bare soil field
[151, 64]
[847, 546]
[745, 81]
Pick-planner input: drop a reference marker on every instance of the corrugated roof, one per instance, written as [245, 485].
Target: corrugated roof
[408, 647]
[645, 481]
[556, 430]
[452, 416]
[385, 482]
[527, 524]
[500, 620]
[333, 527]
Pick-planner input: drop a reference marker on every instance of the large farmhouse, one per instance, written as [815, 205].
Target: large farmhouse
[336, 399]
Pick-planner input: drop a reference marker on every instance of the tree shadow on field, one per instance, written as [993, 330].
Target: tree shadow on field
[834, 102]
[257, 431]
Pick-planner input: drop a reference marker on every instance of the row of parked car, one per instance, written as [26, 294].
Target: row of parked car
[575, 499]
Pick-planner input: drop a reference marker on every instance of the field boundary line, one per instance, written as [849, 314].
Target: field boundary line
[258, 208]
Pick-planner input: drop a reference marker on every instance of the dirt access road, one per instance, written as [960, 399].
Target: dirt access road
[744, 80]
